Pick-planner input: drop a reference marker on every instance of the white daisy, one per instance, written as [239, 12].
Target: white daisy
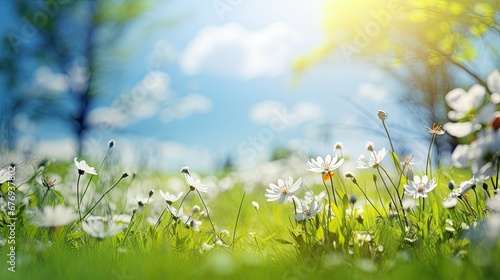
[83, 167]
[283, 190]
[419, 188]
[374, 161]
[57, 216]
[305, 212]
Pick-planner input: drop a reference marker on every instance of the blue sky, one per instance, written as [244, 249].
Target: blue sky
[216, 84]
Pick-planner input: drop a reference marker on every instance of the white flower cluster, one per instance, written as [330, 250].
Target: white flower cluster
[476, 112]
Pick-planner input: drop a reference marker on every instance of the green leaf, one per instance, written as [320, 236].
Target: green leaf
[396, 162]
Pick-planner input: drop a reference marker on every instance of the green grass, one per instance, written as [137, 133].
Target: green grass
[267, 244]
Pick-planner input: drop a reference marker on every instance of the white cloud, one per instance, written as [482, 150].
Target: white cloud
[262, 113]
[163, 53]
[371, 91]
[61, 148]
[48, 81]
[186, 106]
[232, 50]
[142, 152]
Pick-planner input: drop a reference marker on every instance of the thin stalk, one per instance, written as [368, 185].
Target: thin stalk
[364, 193]
[326, 188]
[78, 195]
[180, 205]
[43, 198]
[110, 189]
[329, 203]
[208, 215]
[380, 198]
[333, 191]
[129, 227]
[388, 136]
[397, 193]
[429, 157]
[237, 218]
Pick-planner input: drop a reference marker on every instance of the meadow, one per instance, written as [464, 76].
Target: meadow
[391, 217]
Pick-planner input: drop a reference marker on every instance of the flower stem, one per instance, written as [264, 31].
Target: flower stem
[208, 216]
[110, 189]
[333, 191]
[237, 218]
[78, 195]
[380, 198]
[366, 196]
[388, 136]
[180, 205]
[429, 161]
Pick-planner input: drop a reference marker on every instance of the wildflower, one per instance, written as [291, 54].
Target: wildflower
[46, 182]
[462, 189]
[350, 175]
[195, 209]
[467, 105]
[485, 153]
[176, 213]
[141, 201]
[306, 213]
[449, 225]
[493, 204]
[493, 82]
[57, 216]
[409, 204]
[309, 197]
[83, 167]
[406, 166]
[255, 205]
[450, 203]
[195, 184]
[101, 229]
[192, 223]
[185, 169]
[464, 226]
[436, 129]
[374, 161]
[382, 115]
[122, 218]
[338, 146]
[206, 247]
[492, 226]
[419, 188]
[460, 156]
[363, 237]
[283, 190]
[356, 213]
[326, 166]
[369, 146]
[170, 198]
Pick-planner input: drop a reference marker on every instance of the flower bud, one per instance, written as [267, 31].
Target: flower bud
[382, 115]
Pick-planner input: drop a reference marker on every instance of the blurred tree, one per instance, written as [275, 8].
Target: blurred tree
[53, 59]
[418, 42]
